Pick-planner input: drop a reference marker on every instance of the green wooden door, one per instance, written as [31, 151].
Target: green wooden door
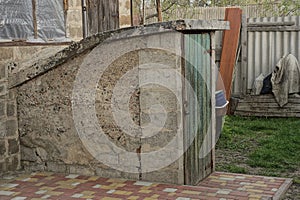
[197, 107]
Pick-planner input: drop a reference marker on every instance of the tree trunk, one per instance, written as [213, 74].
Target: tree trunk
[131, 12]
[159, 10]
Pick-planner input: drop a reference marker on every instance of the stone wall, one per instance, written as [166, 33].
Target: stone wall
[9, 138]
[74, 20]
[48, 136]
[57, 136]
[10, 59]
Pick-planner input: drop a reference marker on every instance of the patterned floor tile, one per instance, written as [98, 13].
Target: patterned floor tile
[219, 186]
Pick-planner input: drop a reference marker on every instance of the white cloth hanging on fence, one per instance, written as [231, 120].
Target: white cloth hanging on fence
[285, 79]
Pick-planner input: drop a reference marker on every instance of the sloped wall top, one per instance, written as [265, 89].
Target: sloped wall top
[26, 73]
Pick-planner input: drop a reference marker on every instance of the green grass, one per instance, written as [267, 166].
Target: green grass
[234, 168]
[296, 181]
[271, 145]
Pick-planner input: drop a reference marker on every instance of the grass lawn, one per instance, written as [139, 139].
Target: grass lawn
[261, 146]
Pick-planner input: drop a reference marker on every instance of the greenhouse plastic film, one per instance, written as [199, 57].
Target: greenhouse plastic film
[50, 19]
[16, 20]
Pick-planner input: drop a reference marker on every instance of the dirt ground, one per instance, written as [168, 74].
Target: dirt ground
[225, 157]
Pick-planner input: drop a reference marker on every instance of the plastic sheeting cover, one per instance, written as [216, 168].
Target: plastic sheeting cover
[50, 19]
[16, 20]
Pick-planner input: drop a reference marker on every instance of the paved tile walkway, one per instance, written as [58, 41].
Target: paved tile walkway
[219, 186]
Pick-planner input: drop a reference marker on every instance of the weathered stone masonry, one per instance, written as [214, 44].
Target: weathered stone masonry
[10, 58]
[9, 138]
[49, 140]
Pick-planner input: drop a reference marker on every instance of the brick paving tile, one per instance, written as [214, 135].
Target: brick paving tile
[218, 186]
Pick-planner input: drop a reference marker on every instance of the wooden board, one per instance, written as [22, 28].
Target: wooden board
[102, 15]
[244, 56]
[197, 130]
[266, 106]
[230, 46]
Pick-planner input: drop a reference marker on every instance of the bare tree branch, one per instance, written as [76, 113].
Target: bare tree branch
[164, 10]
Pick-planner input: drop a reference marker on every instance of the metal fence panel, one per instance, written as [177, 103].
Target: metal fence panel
[207, 13]
[266, 48]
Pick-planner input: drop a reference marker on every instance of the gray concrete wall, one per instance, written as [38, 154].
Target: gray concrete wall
[48, 136]
[56, 136]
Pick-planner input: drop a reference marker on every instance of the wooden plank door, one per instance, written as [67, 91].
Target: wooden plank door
[197, 109]
[102, 15]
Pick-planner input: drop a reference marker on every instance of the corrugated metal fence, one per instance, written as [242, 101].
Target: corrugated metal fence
[265, 48]
[207, 13]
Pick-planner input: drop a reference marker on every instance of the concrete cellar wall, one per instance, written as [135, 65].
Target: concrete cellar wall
[49, 140]
[39, 130]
